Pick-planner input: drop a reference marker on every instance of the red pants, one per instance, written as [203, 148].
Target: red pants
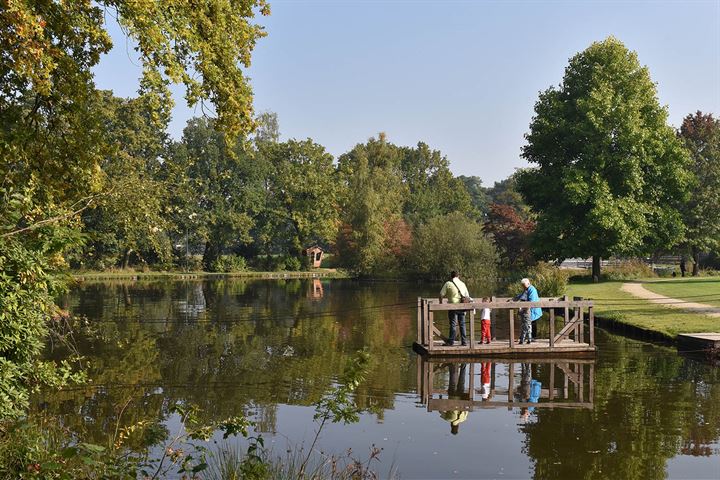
[485, 331]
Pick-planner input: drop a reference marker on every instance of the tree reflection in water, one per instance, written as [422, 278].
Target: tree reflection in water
[260, 347]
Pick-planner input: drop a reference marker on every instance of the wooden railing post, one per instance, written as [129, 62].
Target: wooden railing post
[591, 320]
[419, 321]
[552, 327]
[581, 327]
[471, 343]
[512, 327]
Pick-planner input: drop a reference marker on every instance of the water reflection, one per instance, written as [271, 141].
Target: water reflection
[269, 349]
[455, 388]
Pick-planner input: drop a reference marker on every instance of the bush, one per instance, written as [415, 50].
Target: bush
[452, 242]
[630, 270]
[229, 264]
[549, 280]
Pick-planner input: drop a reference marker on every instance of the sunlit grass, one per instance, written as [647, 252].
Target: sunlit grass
[699, 290]
[613, 303]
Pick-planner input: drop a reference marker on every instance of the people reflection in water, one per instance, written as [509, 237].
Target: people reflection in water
[529, 391]
[456, 390]
[485, 373]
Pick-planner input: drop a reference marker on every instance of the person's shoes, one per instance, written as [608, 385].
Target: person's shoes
[528, 342]
[487, 342]
[449, 344]
[464, 344]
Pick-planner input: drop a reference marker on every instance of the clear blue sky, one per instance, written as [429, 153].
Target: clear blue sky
[462, 76]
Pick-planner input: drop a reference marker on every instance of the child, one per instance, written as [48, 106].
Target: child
[485, 323]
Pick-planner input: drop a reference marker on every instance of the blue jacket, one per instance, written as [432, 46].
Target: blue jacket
[531, 295]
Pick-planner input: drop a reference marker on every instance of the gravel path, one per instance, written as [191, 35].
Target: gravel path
[639, 291]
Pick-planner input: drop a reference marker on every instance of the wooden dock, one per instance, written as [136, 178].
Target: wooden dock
[572, 339]
[570, 384]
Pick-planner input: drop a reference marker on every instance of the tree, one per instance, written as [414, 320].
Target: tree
[511, 234]
[131, 217]
[478, 194]
[505, 192]
[433, 190]
[453, 242]
[701, 135]
[610, 174]
[52, 143]
[304, 192]
[371, 179]
[217, 189]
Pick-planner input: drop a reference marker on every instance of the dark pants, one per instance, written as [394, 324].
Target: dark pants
[456, 388]
[455, 317]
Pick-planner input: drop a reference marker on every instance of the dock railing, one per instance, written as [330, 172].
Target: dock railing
[575, 313]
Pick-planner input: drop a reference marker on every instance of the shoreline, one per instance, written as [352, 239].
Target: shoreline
[169, 275]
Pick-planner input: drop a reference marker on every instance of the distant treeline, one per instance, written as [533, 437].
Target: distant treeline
[204, 202]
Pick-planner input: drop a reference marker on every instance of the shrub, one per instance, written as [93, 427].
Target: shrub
[229, 264]
[628, 270]
[452, 242]
[549, 280]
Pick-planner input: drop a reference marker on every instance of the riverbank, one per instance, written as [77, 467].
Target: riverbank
[620, 307]
[178, 275]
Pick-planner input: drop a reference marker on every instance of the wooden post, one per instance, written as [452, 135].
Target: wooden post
[581, 384]
[431, 383]
[512, 327]
[493, 320]
[552, 327]
[431, 322]
[471, 383]
[552, 380]
[567, 310]
[471, 343]
[581, 326]
[511, 382]
[565, 387]
[419, 320]
[591, 321]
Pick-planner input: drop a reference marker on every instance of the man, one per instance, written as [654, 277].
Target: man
[528, 315]
[454, 290]
[456, 390]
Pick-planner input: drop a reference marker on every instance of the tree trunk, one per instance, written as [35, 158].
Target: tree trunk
[211, 253]
[596, 268]
[683, 266]
[126, 258]
[696, 262]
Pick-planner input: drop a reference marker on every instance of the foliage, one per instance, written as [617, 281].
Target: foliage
[628, 270]
[229, 264]
[27, 288]
[506, 192]
[302, 193]
[701, 213]
[373, 193]
[216, 189]
[130, 217]
[610, 172]
[478, 194]
[511, 235]
[549, 280]
[432, 188]
[453, 242]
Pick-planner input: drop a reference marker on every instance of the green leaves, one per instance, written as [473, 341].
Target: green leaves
[611, 175]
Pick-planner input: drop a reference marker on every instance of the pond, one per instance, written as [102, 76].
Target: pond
[269, 349]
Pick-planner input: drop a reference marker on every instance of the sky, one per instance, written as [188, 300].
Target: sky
[461, 76]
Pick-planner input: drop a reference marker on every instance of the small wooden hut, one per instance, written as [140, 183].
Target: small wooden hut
[315, 255]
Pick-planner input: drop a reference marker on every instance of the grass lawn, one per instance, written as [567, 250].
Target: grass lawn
[700, 289]
[613, 303]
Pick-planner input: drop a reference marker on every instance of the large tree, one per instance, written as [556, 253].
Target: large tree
[373, 194]
[610, 173]
[216, 189]
[304, 192]
[701, 134]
